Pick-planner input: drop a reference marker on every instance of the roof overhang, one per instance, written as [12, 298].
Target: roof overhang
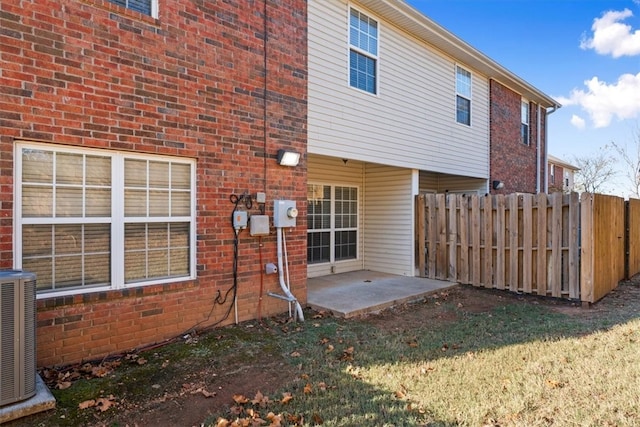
[409, 19]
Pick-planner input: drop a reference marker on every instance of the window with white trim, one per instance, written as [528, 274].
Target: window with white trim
[463, 96]
[147, 7]
[97, 220]
[332, 223]
[363, 53]
[524, 118]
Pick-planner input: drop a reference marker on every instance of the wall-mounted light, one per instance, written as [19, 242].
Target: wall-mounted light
[497, 185]
[288, 158]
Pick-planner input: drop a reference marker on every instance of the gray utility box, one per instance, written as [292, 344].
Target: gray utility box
[17, 336]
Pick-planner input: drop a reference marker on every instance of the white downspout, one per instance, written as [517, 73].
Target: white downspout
[539, 144]
[546, 144]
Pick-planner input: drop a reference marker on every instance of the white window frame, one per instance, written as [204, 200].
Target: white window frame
[153, 6]
[375, 57]
[552, 173]
[332, 224]
[118, 219]
[524, 121]
[468, 97]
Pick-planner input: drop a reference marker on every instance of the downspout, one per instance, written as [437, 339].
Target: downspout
[546, 147]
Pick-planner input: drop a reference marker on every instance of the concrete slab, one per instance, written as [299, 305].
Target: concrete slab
[360, 292]
[43, 400]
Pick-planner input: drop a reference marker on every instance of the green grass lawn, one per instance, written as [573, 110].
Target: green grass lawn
[518, 364]
[466, 357]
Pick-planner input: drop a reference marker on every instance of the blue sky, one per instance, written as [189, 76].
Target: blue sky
[583, 53]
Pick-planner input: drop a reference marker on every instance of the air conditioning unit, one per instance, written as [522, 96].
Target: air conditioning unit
[17, 336]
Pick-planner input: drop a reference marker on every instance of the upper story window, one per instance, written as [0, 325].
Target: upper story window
[147, 7]
[524, 127]
[552, 174]
[363, 53]
[463, 96]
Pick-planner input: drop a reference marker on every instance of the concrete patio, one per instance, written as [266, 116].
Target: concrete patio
[360, 292]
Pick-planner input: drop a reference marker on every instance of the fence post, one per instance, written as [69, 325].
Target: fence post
[574, 246]
[452, 271]
[421, 235]
[586, 247]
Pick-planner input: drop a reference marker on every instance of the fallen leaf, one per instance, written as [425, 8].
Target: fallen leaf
[322, 386]
[274, 419]
[286, 397]
[240, 399]
[323, 341]
[295, 354]
[206, 393]
[554, 384]
[99, 371]
[347, 355]
[317, 419]
[104, 403]
[142, 361]
[400, 394]
[222, 422]
[329, 348]
[308, 389]
[260, 400]
[413, 343]
[63, 385]
[87, 404]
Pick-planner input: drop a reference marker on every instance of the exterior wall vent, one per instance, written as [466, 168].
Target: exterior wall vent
[17, 336]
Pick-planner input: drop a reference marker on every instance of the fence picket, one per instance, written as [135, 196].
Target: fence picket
[464, 240]
[513, 242]
[500, 270]
[527, 242]
[574, 248]
[475, 240]
[556, 245]
[453, 237]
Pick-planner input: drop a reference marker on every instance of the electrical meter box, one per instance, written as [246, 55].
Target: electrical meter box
[284, 213]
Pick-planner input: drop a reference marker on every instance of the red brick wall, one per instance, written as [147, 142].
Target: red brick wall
[556, 185]
[191, 83]
[511, 161]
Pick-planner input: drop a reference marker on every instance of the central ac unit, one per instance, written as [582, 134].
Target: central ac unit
[17, 336]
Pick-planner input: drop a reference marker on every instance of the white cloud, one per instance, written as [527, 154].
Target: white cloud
[611, 37]
[602, 101]
[578, 122]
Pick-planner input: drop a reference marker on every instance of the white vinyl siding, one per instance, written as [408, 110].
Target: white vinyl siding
[439, 183]
[410, 123]
[389, 220]
[335, 172]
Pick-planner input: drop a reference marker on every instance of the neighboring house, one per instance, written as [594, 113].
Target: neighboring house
[124, 131]
[561, 175]
[397, 106]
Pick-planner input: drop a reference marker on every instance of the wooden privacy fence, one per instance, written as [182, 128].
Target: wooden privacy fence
[559, 245]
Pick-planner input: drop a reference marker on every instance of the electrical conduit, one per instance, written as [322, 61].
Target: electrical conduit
[285, 286]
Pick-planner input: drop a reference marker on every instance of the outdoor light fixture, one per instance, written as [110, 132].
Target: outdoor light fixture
[497, 185]
[288, 158]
